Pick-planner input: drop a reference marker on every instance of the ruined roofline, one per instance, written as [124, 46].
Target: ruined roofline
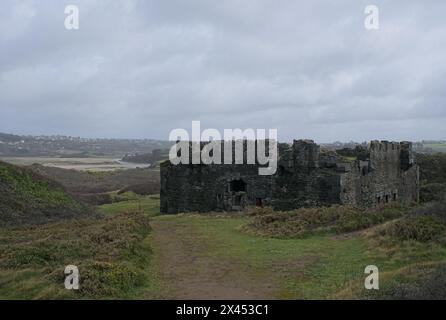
[305, 145]
[385, 145]
[372, 144]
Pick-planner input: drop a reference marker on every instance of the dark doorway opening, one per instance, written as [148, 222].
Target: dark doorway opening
[259, 202]
[238, 186]
[364, 170]
[281, 171]
[238, 201]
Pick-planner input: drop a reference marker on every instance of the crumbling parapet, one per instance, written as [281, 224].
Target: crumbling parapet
[306, 154]
[306, 176]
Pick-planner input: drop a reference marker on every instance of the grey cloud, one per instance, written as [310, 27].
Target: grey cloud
[142, 68]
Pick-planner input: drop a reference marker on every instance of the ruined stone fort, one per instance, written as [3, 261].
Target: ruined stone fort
[306, 176]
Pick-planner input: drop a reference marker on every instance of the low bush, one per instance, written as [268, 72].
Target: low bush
[110, 252]
[417, 228]
[433, 192]
[422, 283]
[101, 279]
[425, 223]
[301, 222]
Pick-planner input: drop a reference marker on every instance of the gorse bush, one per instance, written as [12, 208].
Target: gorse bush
[426, 223]
[419, 283]
[111, 279]
[419, 228]
[302, 222]
[432, 192]
[110, 253]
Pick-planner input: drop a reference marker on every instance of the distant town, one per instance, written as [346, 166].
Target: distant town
[65, 146]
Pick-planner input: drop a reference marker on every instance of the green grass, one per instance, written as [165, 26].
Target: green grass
[24, 185]
[130, 201]
[116, 261]
[112, 255]
[315, 267]
[28, 198]
[439, 147]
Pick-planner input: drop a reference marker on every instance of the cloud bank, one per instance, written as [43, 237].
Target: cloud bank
[142, 68]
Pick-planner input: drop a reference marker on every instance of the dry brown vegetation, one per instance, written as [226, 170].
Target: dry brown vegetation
[80, 182]
[111, 254]
[94, 187]
[306, 221]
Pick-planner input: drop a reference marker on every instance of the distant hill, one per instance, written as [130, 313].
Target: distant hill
[82, 182]
[65, 146]
[5, 137]
[28, 198]
[147, 158]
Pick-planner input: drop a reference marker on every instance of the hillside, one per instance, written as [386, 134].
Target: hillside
[95, 187]
[29, 198]
[19, 145]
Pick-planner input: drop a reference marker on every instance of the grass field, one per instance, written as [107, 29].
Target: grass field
[112, 255]
[438, 147]
[131, 202]
[198, 256]
[191, 256]
[316, 267]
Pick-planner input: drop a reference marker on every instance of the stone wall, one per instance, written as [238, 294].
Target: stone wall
[203, 188]
[302, 180]
[305, 177]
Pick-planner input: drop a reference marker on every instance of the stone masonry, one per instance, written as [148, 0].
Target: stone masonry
[305, 177]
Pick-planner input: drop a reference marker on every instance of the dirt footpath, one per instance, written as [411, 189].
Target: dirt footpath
[188, 271]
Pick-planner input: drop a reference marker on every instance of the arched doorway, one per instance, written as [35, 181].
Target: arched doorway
[238, 185]
[237, 188]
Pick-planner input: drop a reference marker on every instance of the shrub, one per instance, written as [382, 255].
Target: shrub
[101, 279]
[418, 228]
[430, 284]
[432, 192]
[301, 222]
[110, 252]
[425, 223]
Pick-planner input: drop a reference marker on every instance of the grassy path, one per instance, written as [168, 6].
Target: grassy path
[189, 270]
[209, 257]
[135, 253]
[203, 257]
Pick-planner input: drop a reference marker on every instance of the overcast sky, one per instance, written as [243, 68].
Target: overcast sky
[138, 69]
